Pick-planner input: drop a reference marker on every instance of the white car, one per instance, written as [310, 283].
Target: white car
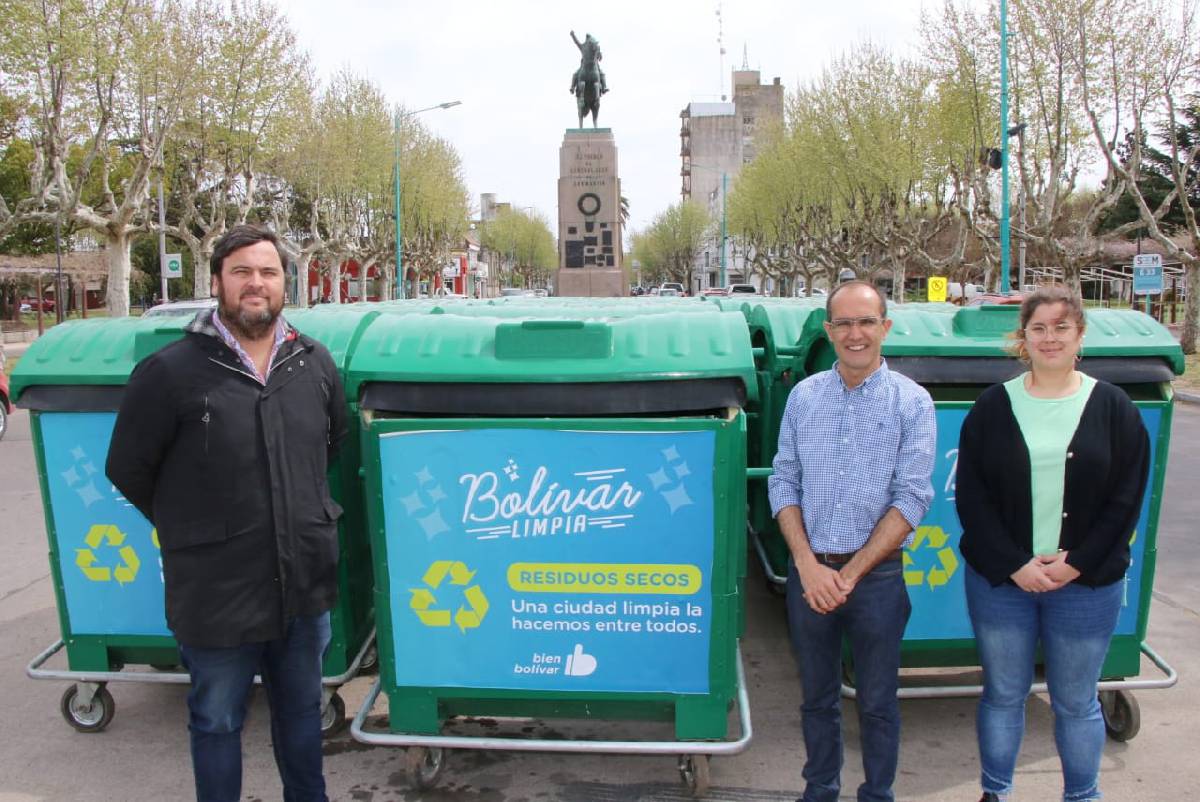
[181, 308]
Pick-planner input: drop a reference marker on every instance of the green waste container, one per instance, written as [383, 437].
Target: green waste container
[104, 556]
[956, 354]
[556, 510]
[782, 332]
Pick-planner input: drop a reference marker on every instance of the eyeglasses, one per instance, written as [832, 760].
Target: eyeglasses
[1040, 331]
[843, 325]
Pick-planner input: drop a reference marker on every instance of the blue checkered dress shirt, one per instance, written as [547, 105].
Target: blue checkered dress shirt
[845, 456]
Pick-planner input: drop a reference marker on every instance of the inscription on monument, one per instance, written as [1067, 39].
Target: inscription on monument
[589, 216]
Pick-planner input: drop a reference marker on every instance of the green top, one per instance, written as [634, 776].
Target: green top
[1047, 424]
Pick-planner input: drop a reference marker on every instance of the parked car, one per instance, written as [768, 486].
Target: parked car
[962, 293]
[714, 292]
[996, 298]
[509, 292]
[181, 308]
[743, 289]
[671, 285]
[31, 304]
[668, 292]
[442, 292]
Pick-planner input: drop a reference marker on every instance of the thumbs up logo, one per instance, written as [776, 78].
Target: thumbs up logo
[580, 664]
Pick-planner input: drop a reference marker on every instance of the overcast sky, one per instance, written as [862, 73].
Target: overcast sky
[510, 63]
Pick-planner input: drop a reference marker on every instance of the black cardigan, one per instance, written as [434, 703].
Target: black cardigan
[1108, 464]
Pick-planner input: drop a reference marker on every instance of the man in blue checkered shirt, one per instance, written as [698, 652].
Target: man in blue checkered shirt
[851, 483]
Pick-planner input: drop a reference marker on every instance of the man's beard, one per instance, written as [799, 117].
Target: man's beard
[252, 325]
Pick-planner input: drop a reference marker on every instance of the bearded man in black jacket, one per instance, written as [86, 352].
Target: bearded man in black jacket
[223, 441]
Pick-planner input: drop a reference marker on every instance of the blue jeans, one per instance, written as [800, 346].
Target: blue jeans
[1074, 625]
[221, 681]
[873, 619]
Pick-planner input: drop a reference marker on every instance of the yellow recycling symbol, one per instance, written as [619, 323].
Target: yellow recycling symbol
[424, 603]
[933, 538]
[115, 538]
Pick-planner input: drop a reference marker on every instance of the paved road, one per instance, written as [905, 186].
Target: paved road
[143, 754]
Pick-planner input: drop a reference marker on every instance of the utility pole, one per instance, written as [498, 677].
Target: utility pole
[162, 239]
[1005, 245]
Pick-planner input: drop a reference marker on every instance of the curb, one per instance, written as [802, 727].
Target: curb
[1187, 398]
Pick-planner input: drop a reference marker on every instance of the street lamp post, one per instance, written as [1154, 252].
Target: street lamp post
[1005, 245]
[724, 218]
[399, 291]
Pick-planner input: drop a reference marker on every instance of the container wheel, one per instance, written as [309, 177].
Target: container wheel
[333, 716]
[424, 766]
[92, 717]
[1122, 715]
[370, 661]
[693, 769]
[3, 417]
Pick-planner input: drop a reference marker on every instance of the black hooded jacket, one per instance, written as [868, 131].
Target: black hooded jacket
[233, 476]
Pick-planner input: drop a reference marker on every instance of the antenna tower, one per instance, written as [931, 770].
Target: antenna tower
[721, 46]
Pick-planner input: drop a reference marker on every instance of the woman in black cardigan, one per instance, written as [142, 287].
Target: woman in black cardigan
[1052, 467]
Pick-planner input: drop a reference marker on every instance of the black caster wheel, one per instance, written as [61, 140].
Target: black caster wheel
[1122, 716]
[693, 770]
[424, 766]
[93, 717]
[333, 717]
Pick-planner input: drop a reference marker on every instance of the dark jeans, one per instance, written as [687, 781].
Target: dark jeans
[221, 680]
[873, 619]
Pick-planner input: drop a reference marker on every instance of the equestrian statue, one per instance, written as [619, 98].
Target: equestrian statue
[588, 83]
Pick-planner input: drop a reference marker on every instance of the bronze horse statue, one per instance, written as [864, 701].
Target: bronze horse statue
[588, 83]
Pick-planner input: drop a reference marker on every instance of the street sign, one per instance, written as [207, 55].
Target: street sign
[1147, 274]
[174, 266]
[937, 289]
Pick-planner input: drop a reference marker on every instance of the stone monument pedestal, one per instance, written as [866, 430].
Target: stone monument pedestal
[589, 216]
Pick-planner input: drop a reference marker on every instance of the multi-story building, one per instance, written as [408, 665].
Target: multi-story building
[716, 139]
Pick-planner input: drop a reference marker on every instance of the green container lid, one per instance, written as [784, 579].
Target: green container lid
[553, 349]
[944, 330]
[786, 330]
[337, 327]
[97, 351]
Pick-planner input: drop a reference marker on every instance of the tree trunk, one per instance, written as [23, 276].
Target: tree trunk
[201, 281]
[388, 281]
[116, 248]
[201, 275]
[335, 279]
[897, 280]
[1191, 310]
[301, 299]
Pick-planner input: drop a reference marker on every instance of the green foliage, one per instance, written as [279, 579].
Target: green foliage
[525, 244]
[668, 247]
[1156, 180]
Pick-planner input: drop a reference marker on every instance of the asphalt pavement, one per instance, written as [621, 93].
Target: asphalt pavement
[143, 755]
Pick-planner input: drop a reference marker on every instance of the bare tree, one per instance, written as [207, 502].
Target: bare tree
[107, 80]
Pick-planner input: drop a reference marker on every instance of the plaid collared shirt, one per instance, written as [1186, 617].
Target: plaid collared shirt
[846, 455]
[281, 329]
